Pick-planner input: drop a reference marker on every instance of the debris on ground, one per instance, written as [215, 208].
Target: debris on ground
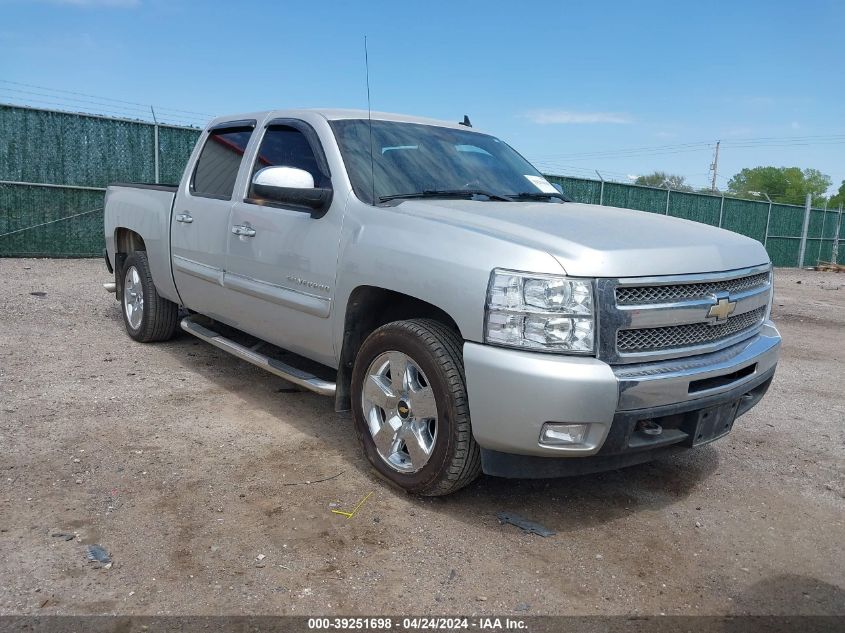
[97, 554]
[349, 515]
[67, 536]
[524, 524]
[830, 267]
[315, 481]
[38, 294]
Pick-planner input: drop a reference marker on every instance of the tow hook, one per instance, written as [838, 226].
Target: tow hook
[649, 427]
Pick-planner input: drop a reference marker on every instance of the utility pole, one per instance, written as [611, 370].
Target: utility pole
[714, 167]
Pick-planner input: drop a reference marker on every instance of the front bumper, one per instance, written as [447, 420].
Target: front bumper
[513, 393]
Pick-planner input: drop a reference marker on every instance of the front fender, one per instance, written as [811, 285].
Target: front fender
[444, 265]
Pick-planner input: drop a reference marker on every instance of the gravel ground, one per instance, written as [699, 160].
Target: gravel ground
[192, 470]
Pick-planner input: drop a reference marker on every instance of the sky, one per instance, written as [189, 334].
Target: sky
[625, 88]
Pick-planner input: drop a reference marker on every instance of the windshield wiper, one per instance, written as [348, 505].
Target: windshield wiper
[538, 195]
[445, 193]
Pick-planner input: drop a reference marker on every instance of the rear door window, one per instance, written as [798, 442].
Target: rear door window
[219, 161]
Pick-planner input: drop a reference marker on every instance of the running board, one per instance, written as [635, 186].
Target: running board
[274, 366]
[110, 286]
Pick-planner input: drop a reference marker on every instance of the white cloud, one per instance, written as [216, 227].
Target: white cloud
[555, 117]
[116, 4]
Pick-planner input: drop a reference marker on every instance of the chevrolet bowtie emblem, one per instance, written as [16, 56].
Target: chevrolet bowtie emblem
[721, 310]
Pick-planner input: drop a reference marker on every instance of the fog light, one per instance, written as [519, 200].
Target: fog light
[557, 434]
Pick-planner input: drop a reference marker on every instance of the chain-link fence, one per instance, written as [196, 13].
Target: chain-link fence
[54, 167]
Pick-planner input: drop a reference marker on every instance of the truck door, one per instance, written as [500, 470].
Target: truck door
[282, 261]
[200, 221]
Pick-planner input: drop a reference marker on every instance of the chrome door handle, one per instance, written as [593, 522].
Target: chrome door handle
[243, 231]
[184, 217]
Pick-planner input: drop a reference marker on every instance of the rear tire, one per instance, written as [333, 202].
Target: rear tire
[414, 421]
[147, 316]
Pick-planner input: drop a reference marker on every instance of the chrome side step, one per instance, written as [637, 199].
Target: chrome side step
[274, 366]
[110, 286]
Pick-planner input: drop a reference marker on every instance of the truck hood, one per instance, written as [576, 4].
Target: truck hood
[594, 241]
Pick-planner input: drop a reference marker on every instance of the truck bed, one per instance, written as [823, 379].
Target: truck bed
[145, 209]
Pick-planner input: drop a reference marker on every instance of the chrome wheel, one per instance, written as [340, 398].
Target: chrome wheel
[133, 297]
[400, 411]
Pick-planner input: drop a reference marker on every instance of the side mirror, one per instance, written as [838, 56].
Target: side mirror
[291, 186]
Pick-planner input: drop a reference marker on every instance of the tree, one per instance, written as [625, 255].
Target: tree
[838, 199]
[787, 185]
[662, 179]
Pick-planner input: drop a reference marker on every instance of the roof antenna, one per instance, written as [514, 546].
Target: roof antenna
[370, 120]
[465, 121]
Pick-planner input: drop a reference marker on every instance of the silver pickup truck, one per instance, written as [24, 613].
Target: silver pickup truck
[434, 283]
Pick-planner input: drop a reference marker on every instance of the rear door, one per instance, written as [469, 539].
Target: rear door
[283, 269]
[200, 220]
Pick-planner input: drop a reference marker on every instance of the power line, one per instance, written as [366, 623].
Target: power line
[739, 143]
[788, 144]
[83, 94]
[38, 103]
[29, 95]
[780, 138]
[632, 149]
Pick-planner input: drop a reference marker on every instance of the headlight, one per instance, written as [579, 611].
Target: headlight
[540, 312]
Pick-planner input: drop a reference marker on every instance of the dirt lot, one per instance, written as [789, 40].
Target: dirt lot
[189, 466]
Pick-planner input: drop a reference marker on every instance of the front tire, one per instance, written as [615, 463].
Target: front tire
[147, 316]
[411, 409]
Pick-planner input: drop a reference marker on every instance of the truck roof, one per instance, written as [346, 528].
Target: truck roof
[334, 114]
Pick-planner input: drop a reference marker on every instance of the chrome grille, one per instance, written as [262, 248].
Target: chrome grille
[656, 318]
[689, 335]
[629, 295]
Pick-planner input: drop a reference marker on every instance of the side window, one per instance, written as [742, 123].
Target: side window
[284, 146]
[217, 166]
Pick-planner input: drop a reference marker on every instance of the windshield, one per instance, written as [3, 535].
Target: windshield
[411, 158]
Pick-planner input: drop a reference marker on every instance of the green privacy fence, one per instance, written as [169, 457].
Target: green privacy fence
[54, 167]
[778, 226]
